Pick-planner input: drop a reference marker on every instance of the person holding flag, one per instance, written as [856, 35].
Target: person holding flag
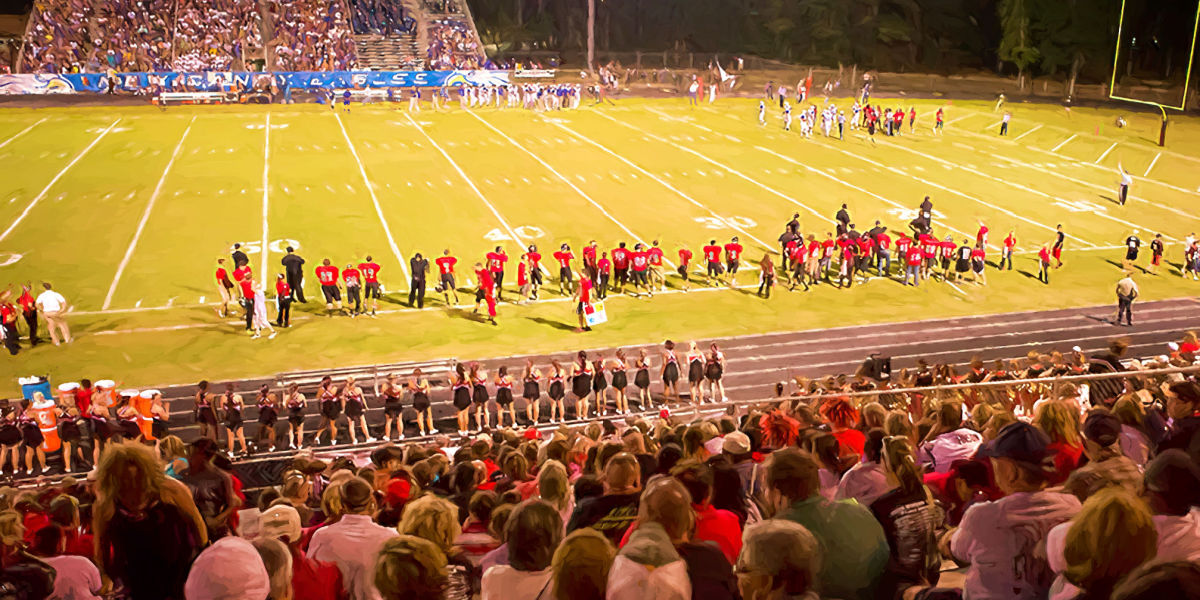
[1123, 186]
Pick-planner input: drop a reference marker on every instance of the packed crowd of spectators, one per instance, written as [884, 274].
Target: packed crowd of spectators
[216, 35]
[134, 35]
[59, 40]
[453, 45]
[1035, 490]
[311, 35]
[441, 7]
[381, 17]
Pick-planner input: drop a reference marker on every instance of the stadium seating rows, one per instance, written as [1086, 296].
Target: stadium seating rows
[218, 35]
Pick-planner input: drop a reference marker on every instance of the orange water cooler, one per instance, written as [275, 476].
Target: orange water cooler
[47, 421]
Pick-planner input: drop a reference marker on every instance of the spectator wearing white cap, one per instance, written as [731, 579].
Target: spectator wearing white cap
[230, 569]
[311, 579]
[353, 542]
[738, 448]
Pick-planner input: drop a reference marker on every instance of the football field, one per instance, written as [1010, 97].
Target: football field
[126, 210]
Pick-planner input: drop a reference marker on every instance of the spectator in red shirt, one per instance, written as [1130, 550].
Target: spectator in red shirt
[842, 417]
[1044, 265]
[685, 257]
[495, 265]
[715, 525]
[311, 579]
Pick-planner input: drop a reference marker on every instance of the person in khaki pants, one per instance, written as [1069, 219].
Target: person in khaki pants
[54, 310]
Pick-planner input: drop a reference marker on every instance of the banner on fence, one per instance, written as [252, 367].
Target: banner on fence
[99, 83]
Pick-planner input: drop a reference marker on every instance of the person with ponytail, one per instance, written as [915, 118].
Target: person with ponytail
[910, 519]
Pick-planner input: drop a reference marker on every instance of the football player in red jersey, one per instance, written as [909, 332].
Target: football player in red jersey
[535, 271]
[1044, 265]
[604, 266]
[640, 262]
[495, 265]
[620, 257]
[712, 259]
[224, 285]
[370, 274]
[29, 309]
[446, 282]
[353, 281]
[486, 292]
[590, 268]
[566, 281]
[685, 259]
[733, 255]
[327, 276]
[283, 301]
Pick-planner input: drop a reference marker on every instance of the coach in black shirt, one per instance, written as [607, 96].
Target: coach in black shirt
[293, 267]
[416, 290]
[239, 258]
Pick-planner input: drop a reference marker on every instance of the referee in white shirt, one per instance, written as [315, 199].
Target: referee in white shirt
[54, 310]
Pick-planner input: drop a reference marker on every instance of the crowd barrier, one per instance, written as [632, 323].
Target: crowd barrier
[214, 81]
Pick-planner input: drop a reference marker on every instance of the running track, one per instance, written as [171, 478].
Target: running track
[756, 362]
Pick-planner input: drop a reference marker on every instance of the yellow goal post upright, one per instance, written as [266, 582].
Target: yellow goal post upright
[1112, 88]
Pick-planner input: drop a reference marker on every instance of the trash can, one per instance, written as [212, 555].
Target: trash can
[34, 383]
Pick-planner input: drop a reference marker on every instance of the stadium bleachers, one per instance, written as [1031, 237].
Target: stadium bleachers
[221, 35]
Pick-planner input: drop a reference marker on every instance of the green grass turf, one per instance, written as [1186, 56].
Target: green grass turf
[643, 169]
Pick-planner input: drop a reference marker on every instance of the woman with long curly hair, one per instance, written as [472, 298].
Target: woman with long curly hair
[146, 524]
[842, 417]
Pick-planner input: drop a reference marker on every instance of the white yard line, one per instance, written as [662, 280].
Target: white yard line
[22, 132]
[721, 165]
[678, 192]
[564, 179]
[137, 234]
[851, 186]
[1110, 149]
[1152, 163]
[374, 199]
[45, 190]
[266, 199]
[1039, 126]
[471, 184]
[997, 180]
[1097, 187]
[1064, 142]
[953, 121]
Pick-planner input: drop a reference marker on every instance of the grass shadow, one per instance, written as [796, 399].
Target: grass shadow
[552, 323]
[1110, 199]
[468, 315]
[1028, 274]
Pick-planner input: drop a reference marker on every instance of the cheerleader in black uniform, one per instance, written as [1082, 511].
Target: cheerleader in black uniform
[10, 436]
[581, 384]
[31, 435]
[462, 398]
[355, 406]
[641, 379]
[504, 397]
[160, 415]
[479, 395]
[619, 382]
[295, 402]
[331, 407]
[714, 369]
[600, 387]
[206, 415]
[102, 427]
[268, 415]
[69, 433]
[418, 386]
[232, 404]
[670, 373]
[532, 391]
[557, 373]
[695, 361]
[127, 417]
[393, 411]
